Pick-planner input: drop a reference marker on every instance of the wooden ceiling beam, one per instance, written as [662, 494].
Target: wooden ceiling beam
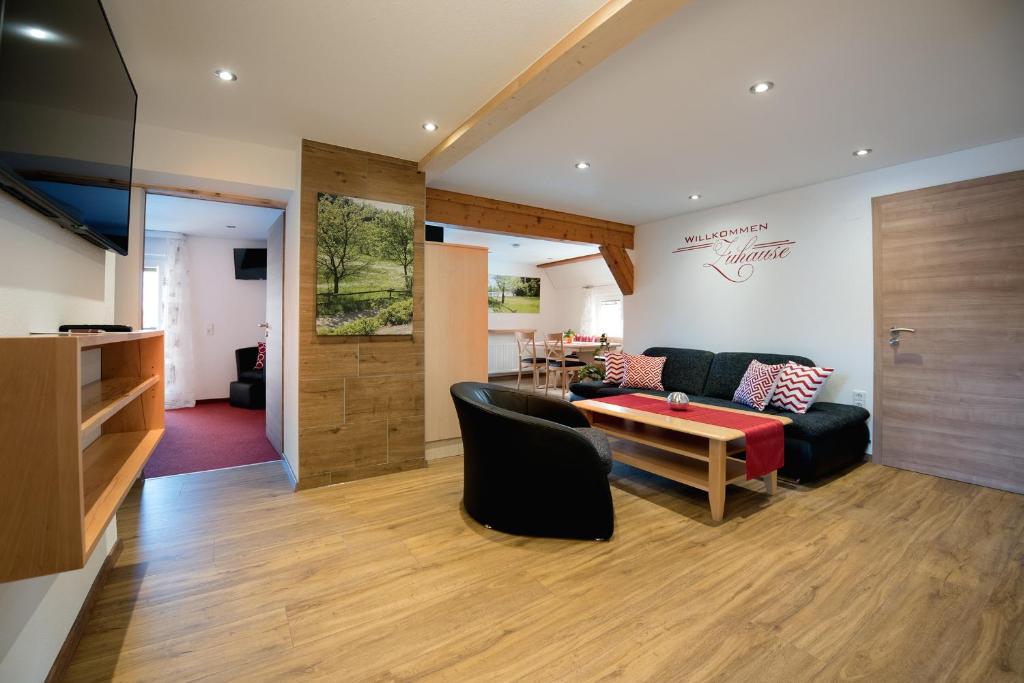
[611, 27]
[621, 265]
[508, 218]
[567, 261]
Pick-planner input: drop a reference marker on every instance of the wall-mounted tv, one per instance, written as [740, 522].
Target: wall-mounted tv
[67, 116]
[250, 264]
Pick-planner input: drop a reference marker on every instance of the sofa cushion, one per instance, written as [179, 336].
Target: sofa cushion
[819, 421]
[614, 368]
[757, 384]
[598, 389]
[685, 369]
[727, 370]
[799, 386]
[644, 372]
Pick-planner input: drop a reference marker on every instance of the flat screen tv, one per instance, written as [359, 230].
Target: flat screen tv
[250, 264]
[67, 116]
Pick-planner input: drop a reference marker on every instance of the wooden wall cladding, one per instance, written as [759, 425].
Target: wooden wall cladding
[360, 398]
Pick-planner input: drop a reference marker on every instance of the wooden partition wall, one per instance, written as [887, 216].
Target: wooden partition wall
[360, 398]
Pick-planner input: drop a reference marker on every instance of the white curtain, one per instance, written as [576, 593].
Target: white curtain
[176, 321]
[589, 316]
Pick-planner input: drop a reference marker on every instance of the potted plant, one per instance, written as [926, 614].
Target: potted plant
[569, 336]
[604, 347]
[592, 372]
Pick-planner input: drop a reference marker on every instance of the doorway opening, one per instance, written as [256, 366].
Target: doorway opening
[560, 293]
[212, 281]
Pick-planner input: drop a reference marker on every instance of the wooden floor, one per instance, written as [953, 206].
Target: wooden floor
[879, 575]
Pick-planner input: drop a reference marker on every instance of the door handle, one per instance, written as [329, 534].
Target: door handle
[894, 334]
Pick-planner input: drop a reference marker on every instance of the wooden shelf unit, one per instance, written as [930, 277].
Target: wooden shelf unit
[69, 453]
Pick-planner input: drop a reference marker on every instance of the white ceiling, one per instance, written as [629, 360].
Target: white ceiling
[530, 251]
[358, 73]
[203, 218]
[670, 115]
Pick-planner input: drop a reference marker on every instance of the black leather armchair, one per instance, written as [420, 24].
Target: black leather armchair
[250, 391]
[527, 470]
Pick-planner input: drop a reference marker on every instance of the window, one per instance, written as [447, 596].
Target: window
[150, 298]
[609, 317]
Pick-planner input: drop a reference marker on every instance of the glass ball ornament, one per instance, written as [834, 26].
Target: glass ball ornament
[677, 400]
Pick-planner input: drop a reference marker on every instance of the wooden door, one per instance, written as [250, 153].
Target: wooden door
[455, 301]
[949, 264]
[275, 322]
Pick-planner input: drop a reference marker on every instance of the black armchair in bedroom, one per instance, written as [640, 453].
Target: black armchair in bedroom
[532, 464]
[250, 391]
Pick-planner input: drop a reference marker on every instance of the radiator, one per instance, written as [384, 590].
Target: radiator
[502, 357]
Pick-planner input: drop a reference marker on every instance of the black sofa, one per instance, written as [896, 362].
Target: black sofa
[829, 437]
[250, 390]
[532, 464]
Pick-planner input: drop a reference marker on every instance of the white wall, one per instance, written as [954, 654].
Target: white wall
[817, 302]
[201, 162]
[226, 312]
[47, 277]
[550, 318]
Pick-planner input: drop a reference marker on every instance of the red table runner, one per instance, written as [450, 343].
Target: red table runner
[765, 442]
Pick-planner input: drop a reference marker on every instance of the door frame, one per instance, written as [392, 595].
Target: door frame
[228, 198]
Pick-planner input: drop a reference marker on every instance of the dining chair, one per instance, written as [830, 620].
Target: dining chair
[560, 365]
[526, 345]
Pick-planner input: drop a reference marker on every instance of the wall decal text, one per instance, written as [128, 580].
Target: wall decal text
[733, 253]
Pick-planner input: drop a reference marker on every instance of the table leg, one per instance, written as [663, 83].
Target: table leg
[716, 479]
[771, 482]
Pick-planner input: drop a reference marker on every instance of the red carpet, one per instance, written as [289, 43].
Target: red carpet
[208, 437]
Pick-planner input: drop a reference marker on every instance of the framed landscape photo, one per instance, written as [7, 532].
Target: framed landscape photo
[364, 267]
[513, 294]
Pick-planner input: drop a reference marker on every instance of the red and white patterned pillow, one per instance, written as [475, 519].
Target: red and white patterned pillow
[644, 372]
[758, 384]
[614, 367]
[798, 386]
[261, 355]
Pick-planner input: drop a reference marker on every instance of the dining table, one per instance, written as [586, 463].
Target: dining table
[586, 350]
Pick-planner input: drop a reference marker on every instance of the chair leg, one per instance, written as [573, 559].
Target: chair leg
[519, 376]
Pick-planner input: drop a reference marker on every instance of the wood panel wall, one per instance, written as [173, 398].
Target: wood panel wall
[360, 398]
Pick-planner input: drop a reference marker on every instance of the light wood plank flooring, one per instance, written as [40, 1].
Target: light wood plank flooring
[878, 575]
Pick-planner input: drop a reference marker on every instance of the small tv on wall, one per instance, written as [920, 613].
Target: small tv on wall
[250, 264]
[67, 117]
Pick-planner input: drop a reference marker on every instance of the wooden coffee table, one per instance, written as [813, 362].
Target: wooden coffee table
[692, 453]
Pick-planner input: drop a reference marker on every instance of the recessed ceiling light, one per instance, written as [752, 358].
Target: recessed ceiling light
[231, 227]
[583, 165]
[863, 152]
[515, 245]
[694, 196]
[225, 75]
[761, 87]
[37, 33]
[430, 126]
